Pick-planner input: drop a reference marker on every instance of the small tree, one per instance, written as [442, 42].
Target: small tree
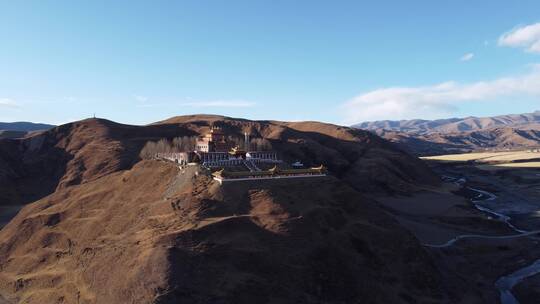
[183, 144]
[163, 146]
[260, 144]
[148, 151]
[189, 143]
[178, 144]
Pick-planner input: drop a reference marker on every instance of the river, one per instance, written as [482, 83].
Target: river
[506, 283]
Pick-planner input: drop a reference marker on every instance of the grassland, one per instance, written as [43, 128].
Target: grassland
[494, 160]
[504, 166]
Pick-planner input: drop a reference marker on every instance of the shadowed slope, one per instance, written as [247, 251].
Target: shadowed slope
[156, 234]
[71, 154]
[82, 151]
[110, 228]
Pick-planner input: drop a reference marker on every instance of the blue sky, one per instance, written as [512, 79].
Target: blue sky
[340, 61]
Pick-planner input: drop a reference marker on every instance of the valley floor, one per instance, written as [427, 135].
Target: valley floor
[480, 225]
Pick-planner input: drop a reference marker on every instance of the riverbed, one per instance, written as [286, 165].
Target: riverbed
[506, 283]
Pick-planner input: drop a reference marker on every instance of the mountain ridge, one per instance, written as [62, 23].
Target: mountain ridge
[21, 129]
[450, 125]
[24, 126]
[454, 135]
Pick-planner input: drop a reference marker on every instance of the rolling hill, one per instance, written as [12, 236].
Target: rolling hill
[83, 151]
[112, 240]
[103, 226]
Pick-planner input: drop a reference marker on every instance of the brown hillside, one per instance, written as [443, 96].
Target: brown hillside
[155, 234]
[83, 151]
[71, 154]
[108, 228]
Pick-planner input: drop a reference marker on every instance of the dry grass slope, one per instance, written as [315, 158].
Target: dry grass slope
[110, 228]
[153, 234]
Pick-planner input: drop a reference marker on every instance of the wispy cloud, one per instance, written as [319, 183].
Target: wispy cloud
[527, 37]
[8, 103]
[140, 98]
[148, 105]
[467, 57]
[220, 104]
[436, 100]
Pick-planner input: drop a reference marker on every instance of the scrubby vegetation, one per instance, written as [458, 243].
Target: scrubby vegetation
[177, 144]
[260, 144]
[188, 143]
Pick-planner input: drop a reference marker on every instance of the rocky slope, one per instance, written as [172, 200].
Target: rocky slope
[70, 154]
[110, 228]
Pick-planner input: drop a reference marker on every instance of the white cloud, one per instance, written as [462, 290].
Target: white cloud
[220, 104]
[467, 57]
[140, 98]
[8, 102]
[148, 105]
[527, 37]
[436, 100]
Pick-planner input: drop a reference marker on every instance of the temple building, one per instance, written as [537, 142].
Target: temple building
[236, 162]
[274, 173]
[214, 149]
[214, 141]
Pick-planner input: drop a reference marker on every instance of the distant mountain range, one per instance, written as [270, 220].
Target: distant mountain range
[452, 125]
[21, 128]
[458, 135]
[24, 126]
